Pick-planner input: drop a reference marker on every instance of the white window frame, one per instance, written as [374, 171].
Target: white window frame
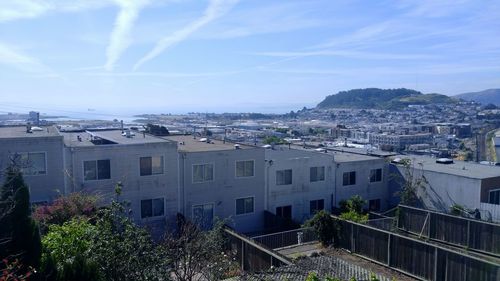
[381, 175]
[236, 168]
[324, 173]
[152, 174]
[97, 172]
[204, 181]
[236, 205]
[34, 152]
[489, 192]
[282, 170]
[203, 204]
[355, 178]
[152, 211]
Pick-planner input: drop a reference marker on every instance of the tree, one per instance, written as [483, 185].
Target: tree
[19, 232]
[124, 251]
[66, 252]
[325, 227]
[197, 254]
[157, 130]
[352, 209]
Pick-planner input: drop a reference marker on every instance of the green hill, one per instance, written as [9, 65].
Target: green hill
[382, 99]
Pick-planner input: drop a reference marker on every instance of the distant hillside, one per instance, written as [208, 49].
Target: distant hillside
[484, 97]
[381, 99]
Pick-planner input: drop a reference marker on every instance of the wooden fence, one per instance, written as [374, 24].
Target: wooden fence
[467, 233]
[422, 260]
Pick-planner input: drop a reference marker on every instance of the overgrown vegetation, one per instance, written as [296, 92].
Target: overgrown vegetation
[157, 130]
[325, 227]
[20, 241]
[352, 209]
[411, 181]
[82, 242]
[65, 208]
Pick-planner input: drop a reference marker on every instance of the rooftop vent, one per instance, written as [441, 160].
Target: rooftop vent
[444, 161]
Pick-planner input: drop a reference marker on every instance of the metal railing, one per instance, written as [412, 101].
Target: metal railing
[287, 238]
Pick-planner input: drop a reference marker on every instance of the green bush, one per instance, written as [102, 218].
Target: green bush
[325, 226]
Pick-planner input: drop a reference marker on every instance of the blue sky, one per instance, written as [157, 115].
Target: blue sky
[229, 55]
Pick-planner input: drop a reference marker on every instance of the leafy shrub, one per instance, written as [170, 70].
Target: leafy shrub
[65, 208]
[325, 227]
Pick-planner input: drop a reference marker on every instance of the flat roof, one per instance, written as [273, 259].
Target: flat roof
[188, 143]
[85, 138]
[20, 132]
[344, 157]
[339, 156]
[458, 168]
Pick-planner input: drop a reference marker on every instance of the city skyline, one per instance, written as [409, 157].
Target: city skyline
[230, 56]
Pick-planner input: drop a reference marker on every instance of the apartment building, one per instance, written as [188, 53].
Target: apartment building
[39, 152]
[298, 182]
[143, 165]
[399, 142]
[198, 177]
[447, 182]
[221, 179]
[364, 175]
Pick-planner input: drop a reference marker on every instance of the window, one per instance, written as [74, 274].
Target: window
[317, 174]
[374, 205]
[284, 212]
[284, 177]
[244, 168]
[203, 215]
[375, 175]
[349, 178]
[151, 165]
[495, 197]
[152, 208]
[96, 170]
[33, 163]
[203, 172]
[244, 205]
[316, 205]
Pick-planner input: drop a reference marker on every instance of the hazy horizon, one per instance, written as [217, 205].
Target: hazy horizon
[164, 56]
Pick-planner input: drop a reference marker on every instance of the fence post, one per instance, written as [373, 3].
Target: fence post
[352, 238]
[242, 255]
[389, 250]
[468, 233]
[434, 276]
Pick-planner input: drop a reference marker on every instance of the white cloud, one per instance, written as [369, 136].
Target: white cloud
[11, 57]
[215, 9]
[26, 9]
[120, 36]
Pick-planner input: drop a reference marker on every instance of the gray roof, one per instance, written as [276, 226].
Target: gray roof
[458, 168]
[187, 143]
[339, 156]
[20, 132]
[114, 136]
[344, 157]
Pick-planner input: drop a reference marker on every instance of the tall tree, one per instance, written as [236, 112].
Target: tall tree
[19, 230]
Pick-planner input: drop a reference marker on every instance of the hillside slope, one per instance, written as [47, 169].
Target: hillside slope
[381, 99]
[484, 97]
